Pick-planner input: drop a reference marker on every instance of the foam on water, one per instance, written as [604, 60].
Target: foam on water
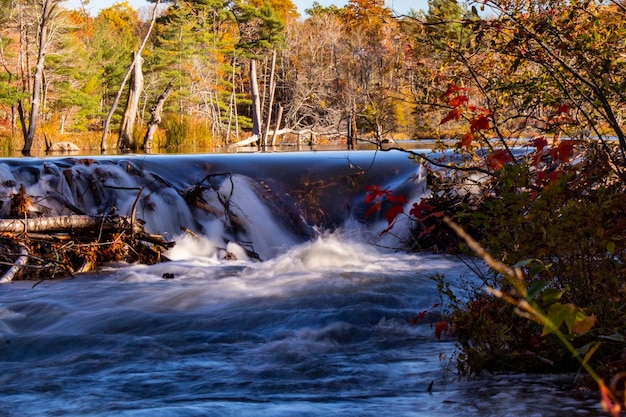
[188, 246]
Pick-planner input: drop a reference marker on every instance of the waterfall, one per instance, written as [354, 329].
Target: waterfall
[256, 204]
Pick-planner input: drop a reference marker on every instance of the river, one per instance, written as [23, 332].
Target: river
[320, 325]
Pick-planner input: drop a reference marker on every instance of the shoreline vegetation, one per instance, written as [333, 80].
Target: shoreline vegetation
[551, 230]
[487, 76]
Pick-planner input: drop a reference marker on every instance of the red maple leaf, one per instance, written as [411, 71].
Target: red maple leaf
[420, 316]
[458, 100]
[373, 192]
[498, 158]
[466, 140]
[537, 159]
[397, 199]
[393, 212]
[563, 151]
[440, 327]
[455, 114]
[539, 143]
[453, 88]
[480, 123]
[421, 210]
[563, 108]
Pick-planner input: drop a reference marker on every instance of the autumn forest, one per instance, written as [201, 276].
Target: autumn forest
[541, 67]
[62, 71]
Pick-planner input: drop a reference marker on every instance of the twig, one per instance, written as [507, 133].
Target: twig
[133, 213]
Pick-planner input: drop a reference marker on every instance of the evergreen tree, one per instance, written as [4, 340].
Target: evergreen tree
[444, 21]
[191, 50]
[111, 45]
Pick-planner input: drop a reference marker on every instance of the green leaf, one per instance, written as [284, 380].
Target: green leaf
[615, 337]
[610, 247]
[551, 295]
[558, 314]
[584, 349]
[536, 288]
[523, 264]
[536, 269]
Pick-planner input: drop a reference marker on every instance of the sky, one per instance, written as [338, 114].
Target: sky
[399, 6]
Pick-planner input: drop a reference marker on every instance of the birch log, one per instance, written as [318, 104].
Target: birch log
[17, 266]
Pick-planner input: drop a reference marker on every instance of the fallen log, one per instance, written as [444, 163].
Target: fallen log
[65, 224]
[64, 245]
[285, 131]
[17, 266]
[81, 223]
[246, 141]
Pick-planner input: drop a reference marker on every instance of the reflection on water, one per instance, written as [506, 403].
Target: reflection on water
[304, 146]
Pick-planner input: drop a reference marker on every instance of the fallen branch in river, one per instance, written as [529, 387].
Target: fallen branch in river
[281, 132]
[46, 247]
[17, 266]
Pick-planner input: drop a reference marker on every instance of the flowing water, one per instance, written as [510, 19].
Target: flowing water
[319, 325]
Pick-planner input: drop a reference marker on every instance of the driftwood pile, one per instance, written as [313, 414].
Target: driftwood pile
[48, 247]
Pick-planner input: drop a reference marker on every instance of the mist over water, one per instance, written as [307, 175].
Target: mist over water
[320, 325]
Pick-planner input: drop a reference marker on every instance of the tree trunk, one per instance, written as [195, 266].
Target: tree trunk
[155, 112]
[256, 103]
[60, 244]
[22, 115]
[127, 126]
[78, 223]
[271, 98]
[352, 130]
[46, 14]
[107, 122]
[232, 106]
[279, 118]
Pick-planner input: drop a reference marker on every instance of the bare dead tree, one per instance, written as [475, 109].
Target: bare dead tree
[155, 112]
[127, 126]
[256, 102]
[129, 71]
[47, 10]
